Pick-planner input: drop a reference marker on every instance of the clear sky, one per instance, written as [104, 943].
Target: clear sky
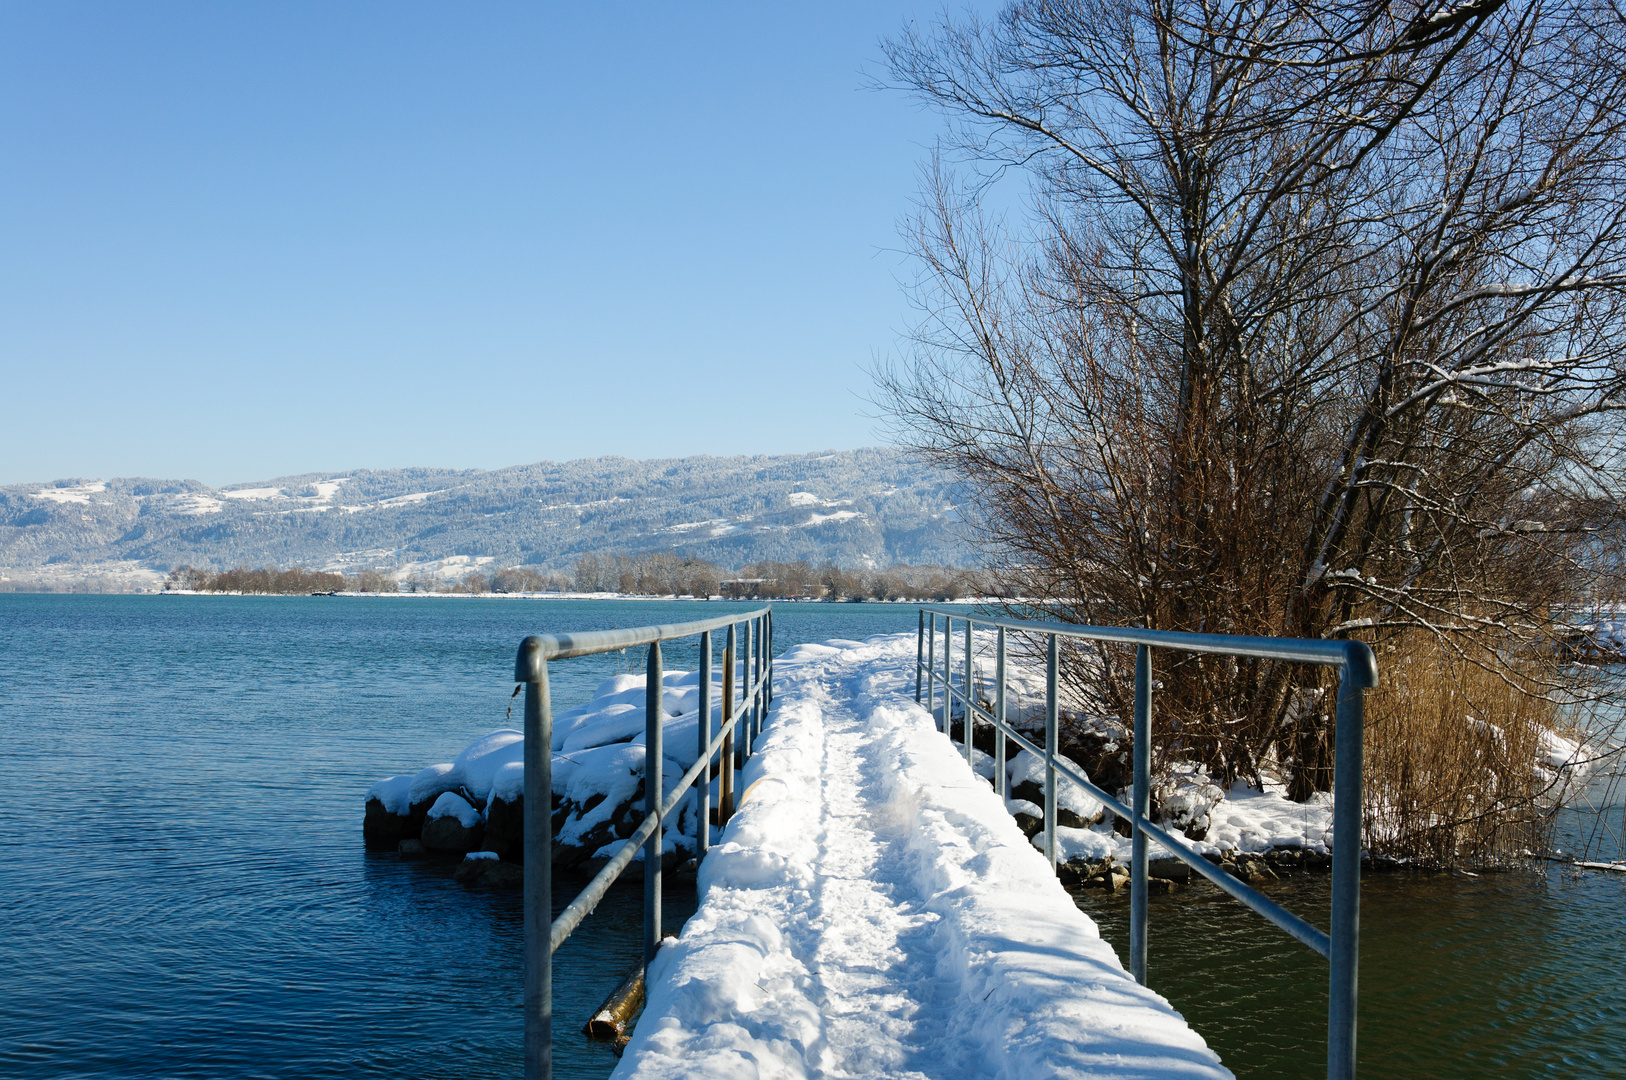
[240, 241]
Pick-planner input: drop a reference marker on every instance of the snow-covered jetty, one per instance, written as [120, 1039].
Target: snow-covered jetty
[873, 910]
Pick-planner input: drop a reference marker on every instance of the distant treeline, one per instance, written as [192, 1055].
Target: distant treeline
[665, 573]
[649, 574]
[297, 581]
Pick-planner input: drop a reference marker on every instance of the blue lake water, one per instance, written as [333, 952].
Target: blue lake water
[183, 890]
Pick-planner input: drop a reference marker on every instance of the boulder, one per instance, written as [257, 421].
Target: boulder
[382, 830]
[1168, 870]
[1110, 876]
[411, 848]
[1076, 808]
[1029, 816]
[505, 827]
[453, 826]
[489, 872]
[1080, 870]
[1029, 791]
[426, 786]
[1250, 868]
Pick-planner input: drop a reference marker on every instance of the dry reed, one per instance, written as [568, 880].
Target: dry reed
[1454, 755]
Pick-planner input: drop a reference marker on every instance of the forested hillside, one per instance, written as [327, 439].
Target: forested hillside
[857, 508]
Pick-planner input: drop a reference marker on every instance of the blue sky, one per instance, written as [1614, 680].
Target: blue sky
[247, 240]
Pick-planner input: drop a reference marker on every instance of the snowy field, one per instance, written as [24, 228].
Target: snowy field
[873, 910]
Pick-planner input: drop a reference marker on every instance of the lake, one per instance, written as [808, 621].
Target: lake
[183, 890]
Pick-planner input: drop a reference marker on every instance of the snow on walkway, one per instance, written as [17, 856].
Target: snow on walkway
[873, 911]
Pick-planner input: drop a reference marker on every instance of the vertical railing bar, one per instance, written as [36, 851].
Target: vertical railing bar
[1051, 713]
[948, 676]
[725, 755]
[999, 716]
[745, 696]
[1346, 877]
[1140, 803]
[538, 844]
[931, 665]
[920, 651]
[753, 636]
[654, 785]
[703, 786]
[968, 729]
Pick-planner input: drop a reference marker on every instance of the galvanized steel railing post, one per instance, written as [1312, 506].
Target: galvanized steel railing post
[999, 715]
[920, 651]
[948, 675]
[654, 792]
[931, 661]
[970, 714]
[1140, 803]
[702, 797]
[747, 701]
[1051, 715]
[756, 687]
[538, 843]
[725, 755]
[1346, 875]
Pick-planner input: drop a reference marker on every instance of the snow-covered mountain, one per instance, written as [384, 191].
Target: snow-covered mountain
[858, 507]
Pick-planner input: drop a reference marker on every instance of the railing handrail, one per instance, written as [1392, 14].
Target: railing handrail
[538, 647]
[543, 933]
[1358, 672]
[1355, 655]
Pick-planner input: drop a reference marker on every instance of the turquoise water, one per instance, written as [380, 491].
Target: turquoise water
[183, 890]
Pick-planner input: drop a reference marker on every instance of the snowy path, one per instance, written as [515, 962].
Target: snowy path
[873, 911]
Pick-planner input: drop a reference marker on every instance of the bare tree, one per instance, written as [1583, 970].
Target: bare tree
[1313, 328]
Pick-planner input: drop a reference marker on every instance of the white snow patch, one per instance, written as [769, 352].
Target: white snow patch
[1250, 820]
[407, 500]
[77, 493]
[689, 526]
[803, 498]
[395, 792]
[476, 767]
[451, 804]
[429, 782]
[193, 504]
[1070, 794]
[838, 515]
[259, 493]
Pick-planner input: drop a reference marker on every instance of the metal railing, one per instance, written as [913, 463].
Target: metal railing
[1357, 672]
[542, 935]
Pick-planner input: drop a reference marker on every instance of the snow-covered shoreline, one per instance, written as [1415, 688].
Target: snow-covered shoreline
[598, 790]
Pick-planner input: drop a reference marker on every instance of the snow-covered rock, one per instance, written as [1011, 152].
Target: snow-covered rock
[388, 812]
[598, 780]
[453, 825]
[1076, 808]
